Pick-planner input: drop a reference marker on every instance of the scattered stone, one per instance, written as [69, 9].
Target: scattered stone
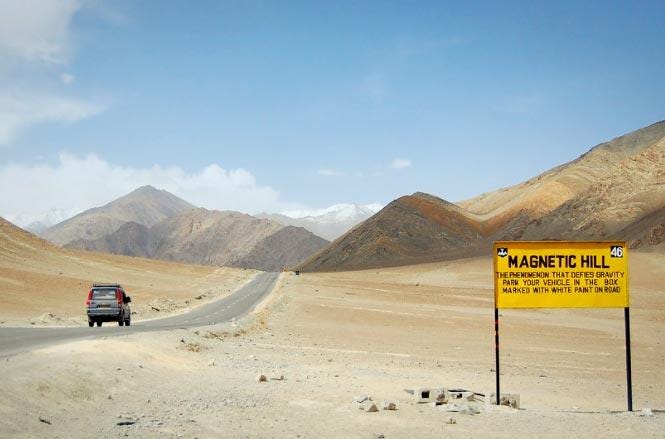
[372, 408]
[451, 421]
[211, 363]
[379, 436]
[646, 412]
[192, 347]
[277, 378]
[45, 420]
[507, 399]
[125, 422]
[109, 397]
[362, 398]
[262, 378]
[389, 405]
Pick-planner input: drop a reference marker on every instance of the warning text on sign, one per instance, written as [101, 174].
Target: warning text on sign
[557, 274]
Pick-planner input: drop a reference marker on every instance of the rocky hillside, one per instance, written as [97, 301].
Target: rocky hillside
[287, 247]
[507, 212]
[614, 191]
[131, 239]
[648, 232]
[412, 229]
[207, 237]
[146, 206]
[210, 237]
[632, 189]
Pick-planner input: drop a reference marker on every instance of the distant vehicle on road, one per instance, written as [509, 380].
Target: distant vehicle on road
[108, 303]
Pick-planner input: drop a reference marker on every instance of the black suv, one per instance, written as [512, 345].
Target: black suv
[108, 303]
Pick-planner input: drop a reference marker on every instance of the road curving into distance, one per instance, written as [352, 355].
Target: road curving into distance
[15, 340]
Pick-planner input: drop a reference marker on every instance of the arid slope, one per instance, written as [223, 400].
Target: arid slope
[146, 206]
[412, 229]
[43, 283]
[210, 237]
[507, 211]
[615, 191]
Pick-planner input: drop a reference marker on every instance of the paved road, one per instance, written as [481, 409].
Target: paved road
[14, 340]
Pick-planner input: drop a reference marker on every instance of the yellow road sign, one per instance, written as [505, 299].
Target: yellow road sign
[560, 274]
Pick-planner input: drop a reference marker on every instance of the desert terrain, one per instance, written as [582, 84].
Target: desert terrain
[324, 339]
[42, 284]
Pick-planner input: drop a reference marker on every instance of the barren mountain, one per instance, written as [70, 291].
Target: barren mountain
[632, 189]
[146, 206]
[207, 237]
[507, 212]
[412, 229]
[649, 231]
[614, 191]
[329, 223]
[131, 239]
[210, 237]
[287, 247]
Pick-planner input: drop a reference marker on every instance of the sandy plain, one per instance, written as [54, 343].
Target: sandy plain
[335, 336]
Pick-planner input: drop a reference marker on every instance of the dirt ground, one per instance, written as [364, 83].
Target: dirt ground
[41, 284]
[334, 337]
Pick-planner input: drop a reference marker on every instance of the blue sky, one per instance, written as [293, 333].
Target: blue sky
[306, 104]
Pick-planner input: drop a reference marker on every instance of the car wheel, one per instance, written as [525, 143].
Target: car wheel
[99, 323]
[91, 323]
[121, 322]
[128, 322]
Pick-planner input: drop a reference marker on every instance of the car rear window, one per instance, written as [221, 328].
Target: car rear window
[105, 294]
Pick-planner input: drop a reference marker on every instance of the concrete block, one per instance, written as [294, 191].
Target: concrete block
[426, 395]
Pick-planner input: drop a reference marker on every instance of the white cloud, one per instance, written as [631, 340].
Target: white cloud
[36, 37]
[19, 110]
[330, 173]
[400, 164]
[37, 30]
[77, 183]
[67, 78]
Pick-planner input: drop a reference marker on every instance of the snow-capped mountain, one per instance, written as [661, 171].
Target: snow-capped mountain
[329, 223]
[38, 222]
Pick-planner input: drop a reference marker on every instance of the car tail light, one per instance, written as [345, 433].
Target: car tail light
[87, 302]
[118, 297]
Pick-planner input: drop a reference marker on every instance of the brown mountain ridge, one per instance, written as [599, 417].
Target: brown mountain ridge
[614, 191]
[208, 237]
[146, 206]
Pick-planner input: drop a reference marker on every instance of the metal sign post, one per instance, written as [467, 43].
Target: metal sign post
[496, 352]
[629, 378]
[560, 274]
